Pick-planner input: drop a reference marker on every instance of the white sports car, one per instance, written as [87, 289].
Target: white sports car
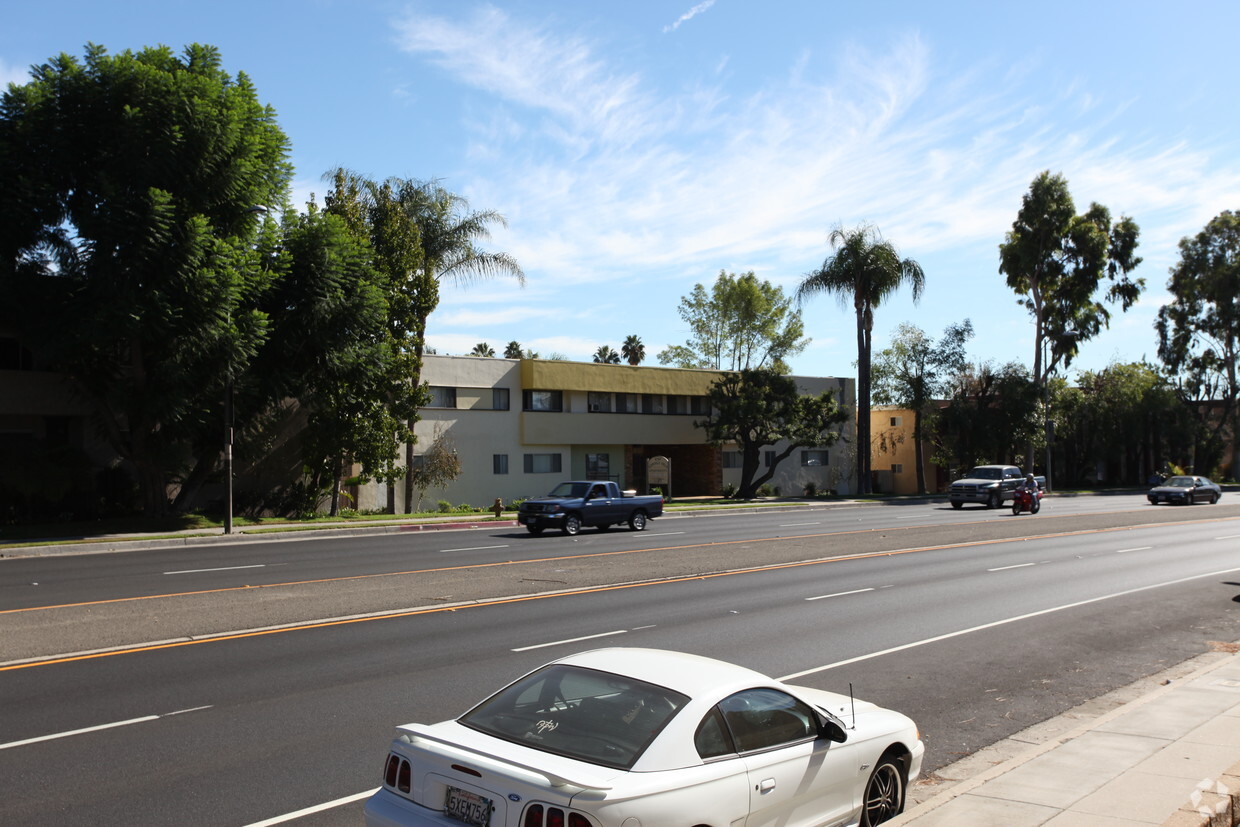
[649, 738]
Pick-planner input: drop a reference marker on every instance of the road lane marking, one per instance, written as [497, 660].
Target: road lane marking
[317, 808]
[1138, 548]
[839, 594]
[796, 525]
[1017, 566]
[474, 548]
[570, 640]
[1228, 537]
[226, 568]
[98, 728]
[664, 534]
[1005, 621]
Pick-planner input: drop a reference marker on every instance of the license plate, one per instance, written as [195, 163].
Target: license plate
[468, 807]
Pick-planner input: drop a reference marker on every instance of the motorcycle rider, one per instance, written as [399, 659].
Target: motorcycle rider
[1030, 483]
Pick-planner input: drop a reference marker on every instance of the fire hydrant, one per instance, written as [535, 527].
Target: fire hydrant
[497, 507]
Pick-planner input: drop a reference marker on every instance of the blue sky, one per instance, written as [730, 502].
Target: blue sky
[639, 148]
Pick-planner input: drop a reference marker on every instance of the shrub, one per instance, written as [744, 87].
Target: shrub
[445, 507]
[811, 489]
[764, 490]
[729, 491]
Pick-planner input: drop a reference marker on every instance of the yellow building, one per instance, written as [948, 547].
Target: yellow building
[893, 458]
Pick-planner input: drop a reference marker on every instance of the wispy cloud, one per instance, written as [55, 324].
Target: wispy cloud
[689, 15]
[606, 176]
[12, 74]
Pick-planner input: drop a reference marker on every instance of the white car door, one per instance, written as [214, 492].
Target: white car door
[796, 778]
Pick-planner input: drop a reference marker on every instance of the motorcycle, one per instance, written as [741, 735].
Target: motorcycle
[1024, 499]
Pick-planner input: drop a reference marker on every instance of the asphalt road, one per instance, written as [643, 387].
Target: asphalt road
[953, 617]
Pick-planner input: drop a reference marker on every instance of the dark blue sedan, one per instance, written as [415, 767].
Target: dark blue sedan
[1185, 490]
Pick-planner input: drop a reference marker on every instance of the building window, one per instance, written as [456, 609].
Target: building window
[600, 402]
[652, 403]
[543, 400]
[542, 463]
[628, 403]
[699, 405]
[499, 399]
[768, 458]
[419, 462]
[897, 468]
[813, 458]
[895, 421]
[499, 463]
[442, 397]
[598, 466]
[731, 459]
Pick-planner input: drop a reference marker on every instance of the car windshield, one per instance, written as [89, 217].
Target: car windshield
[579, 713]
[575, 490]
[1180, 482]
[986, 474]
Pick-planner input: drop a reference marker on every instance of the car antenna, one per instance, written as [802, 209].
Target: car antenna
[852, 703]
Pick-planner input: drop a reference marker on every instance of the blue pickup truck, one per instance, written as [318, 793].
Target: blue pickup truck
[598, 503]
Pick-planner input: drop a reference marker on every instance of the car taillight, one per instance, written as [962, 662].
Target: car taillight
[533, 816]
[402, 782]
[389, 775]
[575, 820]
[555, 817]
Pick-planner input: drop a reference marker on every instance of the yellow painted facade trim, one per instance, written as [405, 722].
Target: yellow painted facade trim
[555, 375]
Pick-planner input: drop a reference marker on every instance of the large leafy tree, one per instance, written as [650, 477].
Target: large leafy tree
[864, 270]
[1199, 330]
[332, 351]
[757, 407]
[1057, 261]
[916, 370]
[126, 237]
[740, 323]
[987, 419]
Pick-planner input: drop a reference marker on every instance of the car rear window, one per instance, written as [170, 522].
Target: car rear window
[586, 714]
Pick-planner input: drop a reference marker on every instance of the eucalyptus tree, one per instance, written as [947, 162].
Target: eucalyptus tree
[1199, 329]
[916, 370]
[633, 351]
[1057, 261]
[864, 270]
[740, 323]
[127, 239]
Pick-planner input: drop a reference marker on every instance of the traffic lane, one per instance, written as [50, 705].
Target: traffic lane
[270, 678]
[31, 582]
[88, 627]
[856, 595]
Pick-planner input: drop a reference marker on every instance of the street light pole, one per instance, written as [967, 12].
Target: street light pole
[228, 421]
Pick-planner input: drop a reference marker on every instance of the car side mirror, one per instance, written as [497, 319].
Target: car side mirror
[831, 728]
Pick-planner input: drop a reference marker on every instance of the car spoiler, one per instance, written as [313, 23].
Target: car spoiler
[412, 733]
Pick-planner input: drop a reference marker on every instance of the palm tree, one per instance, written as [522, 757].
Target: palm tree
[513, 350]
[633, 350]
[482, 349]
[606, 355]
[866, 269]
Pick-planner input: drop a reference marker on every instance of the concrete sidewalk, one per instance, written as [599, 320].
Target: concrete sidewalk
[1167, 756]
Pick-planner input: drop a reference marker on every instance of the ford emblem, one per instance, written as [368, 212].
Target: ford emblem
[513, 797]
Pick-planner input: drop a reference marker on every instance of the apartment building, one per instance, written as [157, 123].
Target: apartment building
[521, 425]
